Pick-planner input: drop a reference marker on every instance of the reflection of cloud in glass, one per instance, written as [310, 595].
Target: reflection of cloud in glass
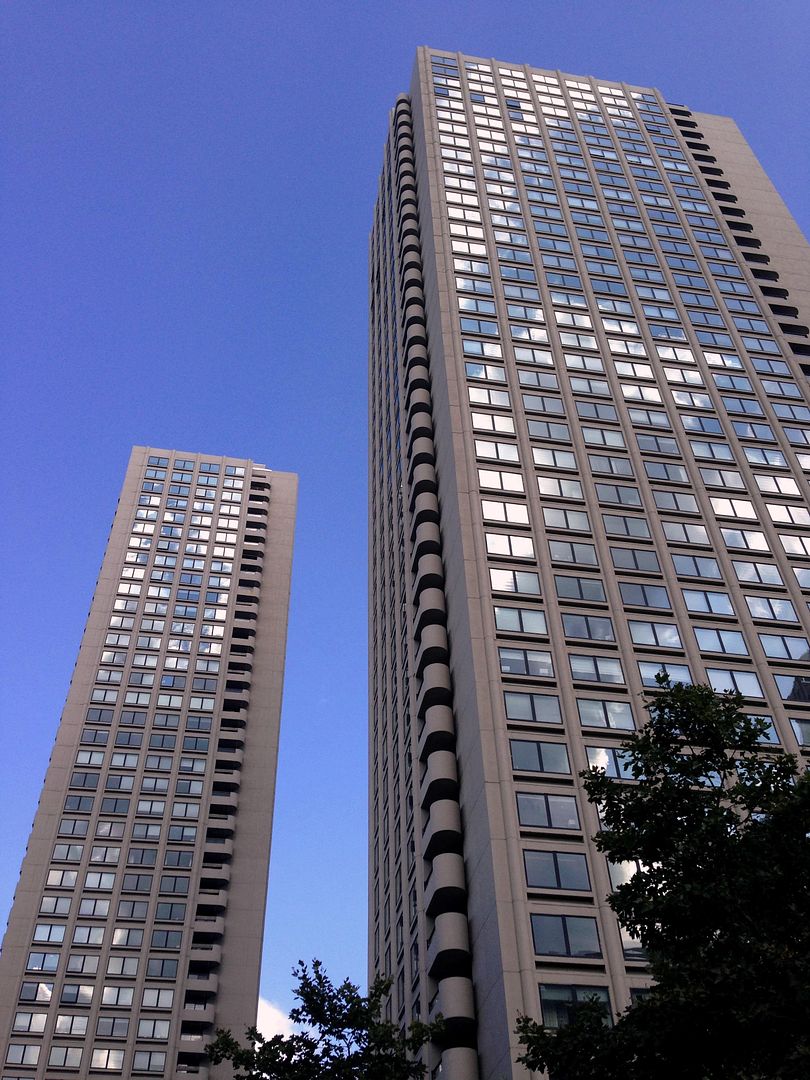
[599, 757]
[620, 873]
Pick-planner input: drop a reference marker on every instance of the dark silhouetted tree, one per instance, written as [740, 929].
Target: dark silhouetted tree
[719, 822]
[341, 1036]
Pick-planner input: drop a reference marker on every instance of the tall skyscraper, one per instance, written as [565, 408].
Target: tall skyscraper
[137, 922]
[590, 449]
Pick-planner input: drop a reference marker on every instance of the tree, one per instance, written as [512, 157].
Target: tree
[342, 1037]
[718, 823]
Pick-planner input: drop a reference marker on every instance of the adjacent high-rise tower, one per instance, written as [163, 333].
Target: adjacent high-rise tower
[137, 923]
[590, 449]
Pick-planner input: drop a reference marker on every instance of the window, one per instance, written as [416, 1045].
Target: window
[482, 395]
[70, 1025]
[601, 713]
[620, 525]
[735, 508]
[33, 1022]
[123, 966]
[546, 429]
[696, 566]
[540, 811]
[526, 662]
[657, 444]
[679, 501]
[579, 588]
[544, 757]
[785, 646]
[664, 635]
[610, 465]
[556, 870]
[783, 514]
[82, 964]
[743, 682]
[154, 998]
[172, 883]
[794, 545]
[596, 410]
[748, 539]
[65, 1057]
[665, 470]
[553, 459]
[520, 620]
[510, 513]
[149, 1060]
[127, 938]
[42, 961]
[567, 551]
[682, 532]
[22, 1054]
[793, 687]
[117, 995]
[649, 418]
[64, 879]
[596, 668]
[594, 627]
[542, 403]
[153, 1029]
[108, 1060]
[772, 608]
[558, 1001]
[603, 437]
[137, 883]
[636, 595]
[49, 933]
[714, 603]
[537, 708]
[88, 935]
[552, 487]
[612, 759]
[635, 559]
[725, 641]
[54, 905]
[565, 935]
[74, 993]
[776, 485]
[620, 494]
[489, 372]
[501, 451]
[575, 520]
[132, 909]
[167, 939]
[157, 968]
[112, 1027]
[510, 544]
[676, 673]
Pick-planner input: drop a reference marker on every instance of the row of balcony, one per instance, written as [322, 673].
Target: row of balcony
[448, 959]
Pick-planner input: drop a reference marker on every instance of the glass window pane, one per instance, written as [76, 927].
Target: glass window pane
[583, 937]
[540, 870]
[573, 871]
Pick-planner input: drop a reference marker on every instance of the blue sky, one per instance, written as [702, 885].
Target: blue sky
[187, 190]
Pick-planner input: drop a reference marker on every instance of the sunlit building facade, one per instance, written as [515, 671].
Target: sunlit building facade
[136, 928]
[589, 460]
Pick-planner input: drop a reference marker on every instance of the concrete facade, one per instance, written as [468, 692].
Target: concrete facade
[137, 924]
[589, 458]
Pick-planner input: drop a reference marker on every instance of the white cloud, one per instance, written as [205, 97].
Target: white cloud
[271, 1020]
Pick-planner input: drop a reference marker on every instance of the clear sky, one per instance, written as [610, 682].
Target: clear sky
[187, 189]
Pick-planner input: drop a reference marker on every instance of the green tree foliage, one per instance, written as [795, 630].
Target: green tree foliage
[720, 824]
[342, 1036]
